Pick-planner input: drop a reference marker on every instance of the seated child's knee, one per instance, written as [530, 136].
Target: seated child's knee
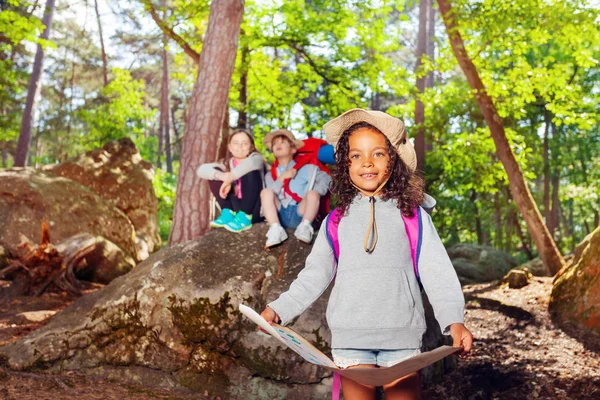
[266, 193]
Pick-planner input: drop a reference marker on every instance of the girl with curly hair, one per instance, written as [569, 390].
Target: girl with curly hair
[375, 310]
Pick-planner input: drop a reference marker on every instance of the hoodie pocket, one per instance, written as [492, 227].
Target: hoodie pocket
[371, 300]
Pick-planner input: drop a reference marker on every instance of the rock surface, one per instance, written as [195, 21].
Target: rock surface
[477, 264]
[517, 278]
[576, 293]
[118, 174]
[173, 321]
[28, 196]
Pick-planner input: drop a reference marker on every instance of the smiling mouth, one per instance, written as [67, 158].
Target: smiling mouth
[369, 176]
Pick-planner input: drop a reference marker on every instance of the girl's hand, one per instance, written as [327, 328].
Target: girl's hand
[461, 337]
[289, 174]
[270, 316]
[226, 177]
[225, 189]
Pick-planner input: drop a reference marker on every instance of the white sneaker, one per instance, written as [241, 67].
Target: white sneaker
[304, 232]
[275, 235]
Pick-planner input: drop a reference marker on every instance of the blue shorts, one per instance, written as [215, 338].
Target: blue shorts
[289, 217]
[345, 358]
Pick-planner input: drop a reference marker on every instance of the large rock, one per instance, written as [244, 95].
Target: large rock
[28, 196]
[118, 174]
[477, 264]
[173, 320]
[576, 293]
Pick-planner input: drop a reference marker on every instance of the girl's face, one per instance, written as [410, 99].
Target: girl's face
[239, 145]
[369, 159]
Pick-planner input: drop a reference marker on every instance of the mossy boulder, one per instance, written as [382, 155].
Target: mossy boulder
[118, 174]
[477, 264]
[575, 295]
[174, 321]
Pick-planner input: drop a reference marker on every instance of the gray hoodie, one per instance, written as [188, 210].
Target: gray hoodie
[376, 302]
[252, 163]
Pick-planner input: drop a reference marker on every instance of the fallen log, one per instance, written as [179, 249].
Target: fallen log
[35, 268]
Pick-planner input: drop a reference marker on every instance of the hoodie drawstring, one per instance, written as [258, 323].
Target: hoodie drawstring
[372, 231]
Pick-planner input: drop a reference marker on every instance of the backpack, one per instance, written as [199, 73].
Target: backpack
[414, 230]
[309, 154]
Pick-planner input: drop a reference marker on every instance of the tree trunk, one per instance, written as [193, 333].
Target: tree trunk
[522, 237]
[430, 45]
[555, 210]
[243, 114]
[419, 106]
[164, 100]
[103, 52]
[430, 82]
[520, 192]
[207, 105]
[498, 220]
[33, 89]
[177, 141]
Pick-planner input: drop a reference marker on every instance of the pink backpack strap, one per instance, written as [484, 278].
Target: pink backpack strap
[414, 230]
[333, 222]
[337, 385]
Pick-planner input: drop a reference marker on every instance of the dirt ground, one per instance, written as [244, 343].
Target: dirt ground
[519, 353]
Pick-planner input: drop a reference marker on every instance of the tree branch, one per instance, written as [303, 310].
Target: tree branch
[194, 55]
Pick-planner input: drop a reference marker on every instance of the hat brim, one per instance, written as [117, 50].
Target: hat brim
[390, 126]
[268, 140]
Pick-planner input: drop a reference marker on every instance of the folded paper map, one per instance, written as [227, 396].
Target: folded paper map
[366, 376]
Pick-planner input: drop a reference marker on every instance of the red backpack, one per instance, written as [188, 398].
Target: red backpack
[307, 154]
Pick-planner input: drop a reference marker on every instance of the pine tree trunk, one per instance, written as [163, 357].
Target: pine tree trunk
[430, 81]
[520, 192]
[430, 43]
[419, 106]
[243, 114]
[103, 52]
[164, 99]
[207, 106]
[33, 89]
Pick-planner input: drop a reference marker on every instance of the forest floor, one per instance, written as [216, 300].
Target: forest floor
[519, 353]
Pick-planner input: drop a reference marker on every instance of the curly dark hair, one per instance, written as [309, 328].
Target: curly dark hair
[403, 185]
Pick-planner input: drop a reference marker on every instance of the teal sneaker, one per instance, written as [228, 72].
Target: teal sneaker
[226, 216]
[241, 222]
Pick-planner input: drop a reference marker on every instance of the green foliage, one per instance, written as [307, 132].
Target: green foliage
[121, 111]
[165, 185]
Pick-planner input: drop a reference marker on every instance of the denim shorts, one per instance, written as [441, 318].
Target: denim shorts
[345, 358]
[289, 217]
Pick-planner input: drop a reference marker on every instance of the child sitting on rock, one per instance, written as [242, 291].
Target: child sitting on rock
[291, 197]
[236, 183]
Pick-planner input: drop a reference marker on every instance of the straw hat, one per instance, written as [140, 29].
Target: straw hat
[267, 141]
[390, 126]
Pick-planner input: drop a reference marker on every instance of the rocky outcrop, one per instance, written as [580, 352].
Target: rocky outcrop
[28, 196]
[173, 320]
[576, 293]
[118, 174]
[477, 264]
